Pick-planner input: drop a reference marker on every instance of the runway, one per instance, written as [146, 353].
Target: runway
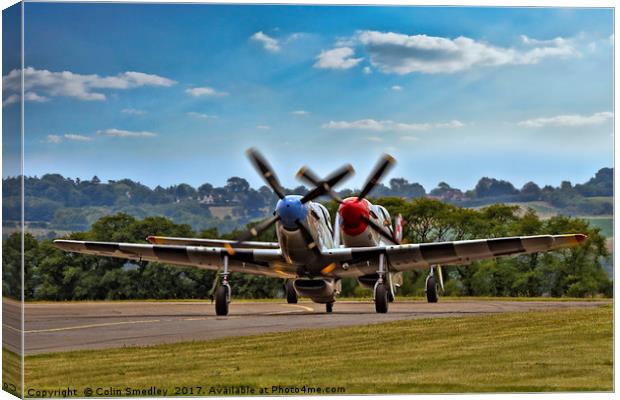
[53, 327]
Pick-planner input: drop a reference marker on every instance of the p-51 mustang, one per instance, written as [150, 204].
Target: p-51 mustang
[313, 255]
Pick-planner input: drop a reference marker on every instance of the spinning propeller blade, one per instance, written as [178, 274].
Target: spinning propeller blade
[382, 167]
[265, 170]
[325, 186]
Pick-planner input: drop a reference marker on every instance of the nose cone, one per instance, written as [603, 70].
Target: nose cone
[351, 212]
[290, 209]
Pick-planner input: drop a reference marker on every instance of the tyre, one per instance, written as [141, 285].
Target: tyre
[381, 299]
[431, 290]
[221, 300]
[291, 294]
[329, 307]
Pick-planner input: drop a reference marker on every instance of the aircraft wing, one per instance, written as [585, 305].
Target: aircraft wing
[211, 242]
[268, 262]
[412, 256]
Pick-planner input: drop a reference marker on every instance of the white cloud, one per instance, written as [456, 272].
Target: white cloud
[125, 134]
[338, 58]
[133, 111]
[263, 127]
[29, 96]
[269, 43]
[32, 96]
[69, 84]
[54, 138]
[374, 139]
[397, 88]
[68, 136]
[367, 70]
[404, 54]
[204, 91]
[201, 115]
[571, 120]
[387, 125]
[408, 138]
[300, 112]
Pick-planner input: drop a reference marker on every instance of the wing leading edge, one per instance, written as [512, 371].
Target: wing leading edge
[268, 262]
[412, 256]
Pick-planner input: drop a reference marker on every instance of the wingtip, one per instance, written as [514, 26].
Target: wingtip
[580, 238]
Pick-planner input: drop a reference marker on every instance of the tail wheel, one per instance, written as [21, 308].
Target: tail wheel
[291, 294]
[431, 290]
[222, 299]
[381, 298]
[329, 307]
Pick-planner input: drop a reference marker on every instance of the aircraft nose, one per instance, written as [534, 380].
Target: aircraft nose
[290, 209]
[352, 213]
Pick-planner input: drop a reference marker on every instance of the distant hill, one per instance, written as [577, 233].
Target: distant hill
[54, 202]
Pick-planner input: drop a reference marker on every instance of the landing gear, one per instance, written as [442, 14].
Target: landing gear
[223, 292]
[329, 307]
[381, 290]
[291, 293]
[381, 298]
[222, 299]
[431, 287]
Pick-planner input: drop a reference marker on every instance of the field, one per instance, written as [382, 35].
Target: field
[570, 350]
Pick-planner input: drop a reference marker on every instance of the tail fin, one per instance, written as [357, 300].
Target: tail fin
[399, 223]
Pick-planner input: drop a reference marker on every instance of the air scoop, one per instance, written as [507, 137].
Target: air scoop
[290, 209]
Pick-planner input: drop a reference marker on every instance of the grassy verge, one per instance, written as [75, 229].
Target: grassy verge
[11, 371]
[568, 350]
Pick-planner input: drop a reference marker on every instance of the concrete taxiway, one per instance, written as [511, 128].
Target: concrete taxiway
[52, 327]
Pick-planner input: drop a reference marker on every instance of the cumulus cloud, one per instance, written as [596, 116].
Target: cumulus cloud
[126, 134]
[367, 70]
[404, 54]
[68, 136]
[204, 91]
[388, 125]
[78, 86]
[338, 58]
[570, 120]
[269, 43]
[201, 115]
[29, 96]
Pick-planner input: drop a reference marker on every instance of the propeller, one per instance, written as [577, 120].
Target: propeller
[383, 166]
[307, 175]
[325, 186]
[379, 229]
[266, 171]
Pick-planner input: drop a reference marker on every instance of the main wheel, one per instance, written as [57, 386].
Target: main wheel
[381, 298]
[329, 307]
[291, 294]
[431, 290]
[222, 297]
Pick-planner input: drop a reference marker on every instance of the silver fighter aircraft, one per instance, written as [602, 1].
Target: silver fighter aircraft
[314, 256]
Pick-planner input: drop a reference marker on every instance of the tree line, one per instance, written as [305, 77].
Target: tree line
[53, 201]
[51, 274]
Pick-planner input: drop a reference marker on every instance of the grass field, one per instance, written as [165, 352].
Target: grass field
[568, 350]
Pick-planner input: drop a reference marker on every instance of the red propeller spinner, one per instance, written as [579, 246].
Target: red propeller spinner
[354, 213]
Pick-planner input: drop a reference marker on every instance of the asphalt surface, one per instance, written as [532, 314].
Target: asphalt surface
[53, 327]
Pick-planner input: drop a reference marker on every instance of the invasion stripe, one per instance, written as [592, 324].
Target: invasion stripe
[505, 246]
[102, 247]
[443, 251]
[172, 254]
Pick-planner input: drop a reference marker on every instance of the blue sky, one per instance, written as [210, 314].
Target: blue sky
[166, 94]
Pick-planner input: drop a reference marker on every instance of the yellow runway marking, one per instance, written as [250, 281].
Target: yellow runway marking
[69, 328]
[302, 307]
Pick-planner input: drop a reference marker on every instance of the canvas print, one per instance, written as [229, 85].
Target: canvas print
[259, 200]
